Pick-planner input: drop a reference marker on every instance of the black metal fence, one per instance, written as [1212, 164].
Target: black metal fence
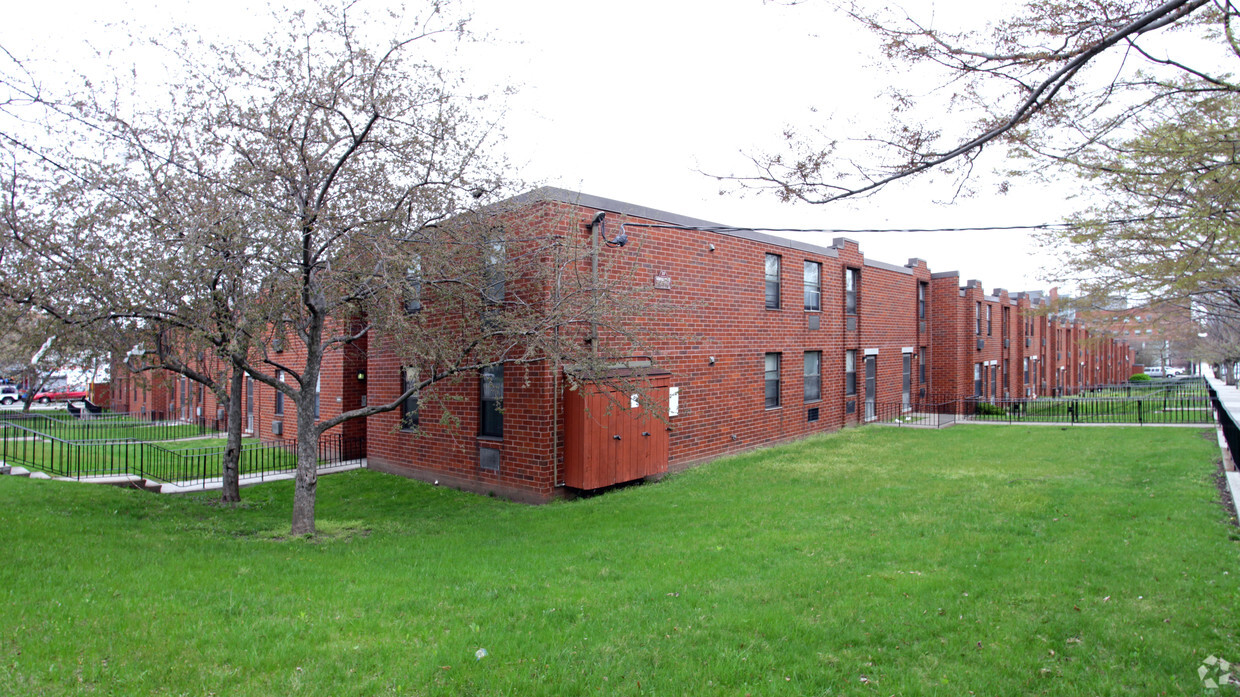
[1159, 409]
[193, 466]
[917, 414]
[1154, 407]
[1178, 387]
[1226, 422]
[109, 426]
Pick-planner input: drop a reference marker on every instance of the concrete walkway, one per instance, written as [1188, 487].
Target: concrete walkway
[1229, 397]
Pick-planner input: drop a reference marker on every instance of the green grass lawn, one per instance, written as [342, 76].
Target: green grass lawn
[876, 561]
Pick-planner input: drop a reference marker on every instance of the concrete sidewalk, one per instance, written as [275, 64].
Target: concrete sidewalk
[1229, 399]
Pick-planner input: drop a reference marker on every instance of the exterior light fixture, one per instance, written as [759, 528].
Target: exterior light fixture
[599, 224]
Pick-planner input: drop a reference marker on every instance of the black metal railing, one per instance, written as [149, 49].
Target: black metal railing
[1178, 387]
[1226, 422]
[109, 426]
[917, 413]
[193, 466]
[1151, 407]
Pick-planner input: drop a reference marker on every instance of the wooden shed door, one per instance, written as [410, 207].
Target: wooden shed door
[608, 440]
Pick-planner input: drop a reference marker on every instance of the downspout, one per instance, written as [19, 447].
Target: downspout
[557, 366]
[596, 233]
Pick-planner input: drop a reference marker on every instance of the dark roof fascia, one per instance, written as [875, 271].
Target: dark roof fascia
[889, 267]
[946, 274]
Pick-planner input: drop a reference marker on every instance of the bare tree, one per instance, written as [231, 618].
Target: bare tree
[307, 193]
[1054, 80]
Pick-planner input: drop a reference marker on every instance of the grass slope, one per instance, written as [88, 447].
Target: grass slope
[997, 560]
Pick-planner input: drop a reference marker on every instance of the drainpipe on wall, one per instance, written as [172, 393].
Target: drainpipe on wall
[596, 230]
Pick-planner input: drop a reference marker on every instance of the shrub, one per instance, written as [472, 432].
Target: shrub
[988, 409]
[1140, 377]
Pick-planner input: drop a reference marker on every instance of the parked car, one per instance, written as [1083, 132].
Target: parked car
[1155, 371]
[9, 394]
[66, 396]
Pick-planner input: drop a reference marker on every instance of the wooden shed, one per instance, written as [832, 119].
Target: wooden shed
[611, 437]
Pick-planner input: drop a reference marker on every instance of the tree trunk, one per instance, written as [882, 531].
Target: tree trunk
[231, 466]
[307, 479]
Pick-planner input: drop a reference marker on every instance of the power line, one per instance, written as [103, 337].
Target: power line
[982, 228]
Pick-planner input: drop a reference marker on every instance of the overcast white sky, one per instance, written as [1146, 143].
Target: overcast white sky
[630, 100]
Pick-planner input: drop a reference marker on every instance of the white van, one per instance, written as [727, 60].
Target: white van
[1155, 371]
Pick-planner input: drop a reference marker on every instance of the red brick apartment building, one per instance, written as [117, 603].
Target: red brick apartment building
[775, 339]
[1156, 333]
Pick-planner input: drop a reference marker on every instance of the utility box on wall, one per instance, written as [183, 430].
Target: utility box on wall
[608, 440]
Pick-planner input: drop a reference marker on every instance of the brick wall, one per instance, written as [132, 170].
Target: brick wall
[711, 330]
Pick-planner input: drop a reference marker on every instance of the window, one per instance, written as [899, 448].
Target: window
[249, 404]
[813, 376]
[494, 272]
[921, 365]
[491, 421]
[409, 407]
[871, 387]
[850, 372]
[977, 315]
[771, 364]
[279, 401]
[772, 281]
[921, 302]
[852, 279]
[989, 326]
[318, 394]
[813, 286]
[977, 379]
[1007, 320]
[413, 285]
[1026, 371]
[906, 381]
